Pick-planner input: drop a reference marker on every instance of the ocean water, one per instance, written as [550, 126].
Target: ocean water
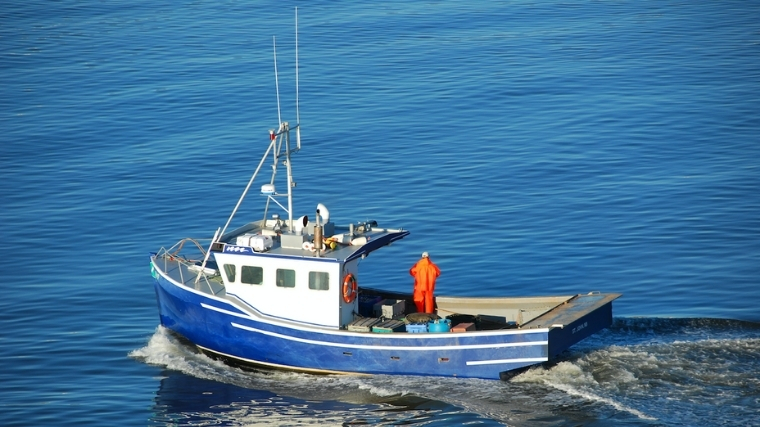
[533, 148]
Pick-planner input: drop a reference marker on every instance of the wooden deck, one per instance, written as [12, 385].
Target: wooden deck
[572, 310]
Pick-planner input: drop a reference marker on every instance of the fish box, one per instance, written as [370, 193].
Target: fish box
[463, 327]
[389, 308]
[388, 326]
[367, 304]
[363, 325]
[261, 243]
[244, 240]
[417, 328]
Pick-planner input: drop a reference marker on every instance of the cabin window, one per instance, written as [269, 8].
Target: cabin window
[286, 278]
[229, 270]
[319, 281]
[251, 275]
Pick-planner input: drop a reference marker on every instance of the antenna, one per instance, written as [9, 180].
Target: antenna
[298, 111]
[276, 82]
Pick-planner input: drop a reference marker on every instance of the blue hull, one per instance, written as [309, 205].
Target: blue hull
[217, 326]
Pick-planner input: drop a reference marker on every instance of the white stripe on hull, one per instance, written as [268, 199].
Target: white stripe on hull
[496, 362]
[382, 347]
[278, 366]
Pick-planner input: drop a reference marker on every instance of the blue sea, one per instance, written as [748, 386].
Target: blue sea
[532, 147]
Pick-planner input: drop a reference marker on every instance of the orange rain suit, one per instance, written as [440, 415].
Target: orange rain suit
[424, 273]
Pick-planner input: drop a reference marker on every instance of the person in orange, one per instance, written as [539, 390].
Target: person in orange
[424, 273]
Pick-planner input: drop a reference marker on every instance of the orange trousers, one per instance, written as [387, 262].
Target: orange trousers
[426, 304]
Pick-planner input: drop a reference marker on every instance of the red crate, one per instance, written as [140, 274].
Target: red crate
[463, 327]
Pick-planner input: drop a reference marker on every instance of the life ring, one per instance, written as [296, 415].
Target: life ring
[350, 288]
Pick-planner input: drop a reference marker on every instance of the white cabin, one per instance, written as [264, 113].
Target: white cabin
[298, 287]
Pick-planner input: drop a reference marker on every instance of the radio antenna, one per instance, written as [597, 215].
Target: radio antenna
[298, 110]
[276, 81]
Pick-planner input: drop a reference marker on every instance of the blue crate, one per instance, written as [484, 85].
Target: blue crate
[367, 304]
[415, 328]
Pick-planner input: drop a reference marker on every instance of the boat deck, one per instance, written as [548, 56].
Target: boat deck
[487, 313]
[572, 310]
[186, 271]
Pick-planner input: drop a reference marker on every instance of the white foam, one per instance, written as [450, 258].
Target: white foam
[596, 398]
[380, 389]
[575, 380]
[563, 372]
[164, 350]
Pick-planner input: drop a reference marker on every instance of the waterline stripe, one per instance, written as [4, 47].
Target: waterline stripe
[495, 362]
[278, 366]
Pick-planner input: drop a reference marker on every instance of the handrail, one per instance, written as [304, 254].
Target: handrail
[169, 256]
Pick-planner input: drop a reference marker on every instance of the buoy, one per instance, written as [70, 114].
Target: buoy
[350, 288]
[359, 241]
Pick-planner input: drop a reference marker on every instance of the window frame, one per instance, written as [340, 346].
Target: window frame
[325, 280]
[248, 268]
[226, 268]
[283, 274]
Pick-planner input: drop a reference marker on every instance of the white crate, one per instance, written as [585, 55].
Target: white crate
[258, 242]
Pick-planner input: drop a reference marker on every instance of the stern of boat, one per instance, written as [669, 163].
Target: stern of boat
[575, 320]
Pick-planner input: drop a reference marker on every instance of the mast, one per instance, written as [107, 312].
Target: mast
[277, 139]
[291, 184]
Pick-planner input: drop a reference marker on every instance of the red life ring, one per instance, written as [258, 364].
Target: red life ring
[350, 288]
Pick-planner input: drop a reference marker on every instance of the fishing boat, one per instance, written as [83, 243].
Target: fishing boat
[285, 292]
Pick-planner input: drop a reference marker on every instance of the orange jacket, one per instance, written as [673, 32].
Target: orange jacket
[425, 273]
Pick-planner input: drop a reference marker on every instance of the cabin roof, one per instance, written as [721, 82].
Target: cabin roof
[376, 239]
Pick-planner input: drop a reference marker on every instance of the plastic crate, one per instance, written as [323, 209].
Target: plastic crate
[367, 304]
[415, 328]
[363, 325]
[389, 308]
[389, 326]
[463, 327]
